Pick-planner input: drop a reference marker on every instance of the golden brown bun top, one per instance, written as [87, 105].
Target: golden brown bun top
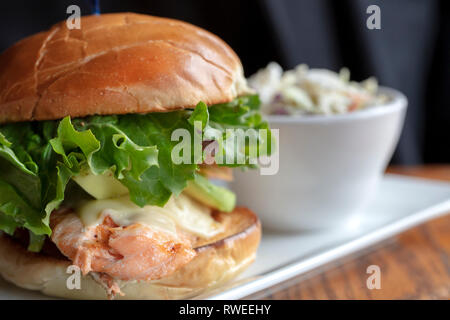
[116, 64]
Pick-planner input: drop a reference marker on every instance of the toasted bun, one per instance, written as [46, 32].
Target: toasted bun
[116, 64]
[217, 261]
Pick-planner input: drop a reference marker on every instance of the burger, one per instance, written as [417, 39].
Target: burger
[89, 184]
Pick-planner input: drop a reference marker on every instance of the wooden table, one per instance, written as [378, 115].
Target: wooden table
[414, 265]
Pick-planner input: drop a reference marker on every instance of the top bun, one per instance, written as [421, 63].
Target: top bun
[116, 64]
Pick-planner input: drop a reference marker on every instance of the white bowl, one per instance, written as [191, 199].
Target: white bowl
[329, 167]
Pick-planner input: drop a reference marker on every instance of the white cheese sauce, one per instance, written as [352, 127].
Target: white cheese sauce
[180, 211]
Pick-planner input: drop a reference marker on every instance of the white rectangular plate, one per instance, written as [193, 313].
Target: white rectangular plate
[401, 203]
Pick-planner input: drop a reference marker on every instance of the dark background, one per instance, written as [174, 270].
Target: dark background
[411, 52]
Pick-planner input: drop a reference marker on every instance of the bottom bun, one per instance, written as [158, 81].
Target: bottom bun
[217, 261]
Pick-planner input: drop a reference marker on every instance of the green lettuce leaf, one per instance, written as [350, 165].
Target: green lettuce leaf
[38, 159]
[241, 113]
[13, 205]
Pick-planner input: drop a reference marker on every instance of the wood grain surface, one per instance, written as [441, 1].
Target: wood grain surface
[413, 265]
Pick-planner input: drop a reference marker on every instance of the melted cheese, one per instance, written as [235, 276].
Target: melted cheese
[181, 211]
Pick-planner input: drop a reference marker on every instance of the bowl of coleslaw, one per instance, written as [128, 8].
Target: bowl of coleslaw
[336, 138]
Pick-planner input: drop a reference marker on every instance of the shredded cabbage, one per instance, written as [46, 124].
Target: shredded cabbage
[312, 91]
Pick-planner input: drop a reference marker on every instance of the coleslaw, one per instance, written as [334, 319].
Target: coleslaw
[305, 91]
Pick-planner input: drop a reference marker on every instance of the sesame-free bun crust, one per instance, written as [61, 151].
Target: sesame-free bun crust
[116, 64]
[217, 261]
